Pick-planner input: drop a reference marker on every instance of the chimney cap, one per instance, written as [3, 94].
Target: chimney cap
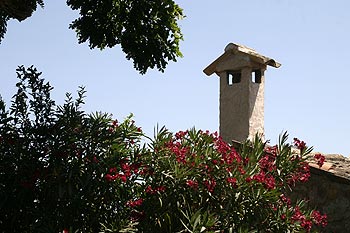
[233, 48]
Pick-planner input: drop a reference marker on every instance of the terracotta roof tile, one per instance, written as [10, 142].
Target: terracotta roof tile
[335, 164]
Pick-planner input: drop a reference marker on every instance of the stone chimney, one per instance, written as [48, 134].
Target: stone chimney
[241, 72]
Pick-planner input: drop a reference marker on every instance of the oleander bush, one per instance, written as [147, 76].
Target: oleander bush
[63, 170]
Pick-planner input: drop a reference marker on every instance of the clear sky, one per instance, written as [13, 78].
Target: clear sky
[308, 96]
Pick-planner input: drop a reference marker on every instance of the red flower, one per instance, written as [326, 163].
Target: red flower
[319, 219]
[123, 178]
[160, 188]
[286, 200]
[192, 183]
[302, 174]
[271, 150]
[210, 184]
[136, 216]
[269, 182]
[301, 145]
[110, 177]
[115, 123]
[135, 203]
[151, 190]
[267, 163]
[241, 170]
[306, 224]
[320, 159]
[65, 231]
[248, 179]
[113, 170]
[232, 181]
[179, 135]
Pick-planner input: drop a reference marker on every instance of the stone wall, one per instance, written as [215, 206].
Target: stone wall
[330, 194]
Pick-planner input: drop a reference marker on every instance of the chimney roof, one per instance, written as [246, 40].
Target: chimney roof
[232, 48]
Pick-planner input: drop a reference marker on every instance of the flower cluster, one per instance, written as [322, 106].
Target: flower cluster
[320, 159]
[200, 170]
[267, 163]
[301, 145]
[319, 219]
[232, 181]
[126, 171]
[151, 190]
[134, 203]
[302, 174]
[192, 183]
[266, 179]
[210, 184]
[298, 216]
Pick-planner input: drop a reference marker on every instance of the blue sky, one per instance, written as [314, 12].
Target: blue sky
[307, 96]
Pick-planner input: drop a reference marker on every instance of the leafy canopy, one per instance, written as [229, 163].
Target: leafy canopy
[146, 30]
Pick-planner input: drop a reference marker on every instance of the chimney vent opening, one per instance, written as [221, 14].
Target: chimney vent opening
[233, 77]
[256, 76]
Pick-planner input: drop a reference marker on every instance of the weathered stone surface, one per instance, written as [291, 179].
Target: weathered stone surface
[241, 71]
[329, 192]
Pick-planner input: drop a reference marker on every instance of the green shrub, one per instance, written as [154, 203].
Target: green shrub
[62, 170]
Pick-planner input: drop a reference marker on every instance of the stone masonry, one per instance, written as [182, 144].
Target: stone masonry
[241, 72]
[328, 190]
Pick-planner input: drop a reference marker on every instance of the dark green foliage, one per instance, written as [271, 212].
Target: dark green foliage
[53, 160]
[3, 23]
[16, 9]
[146, 30]
[19, 9]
